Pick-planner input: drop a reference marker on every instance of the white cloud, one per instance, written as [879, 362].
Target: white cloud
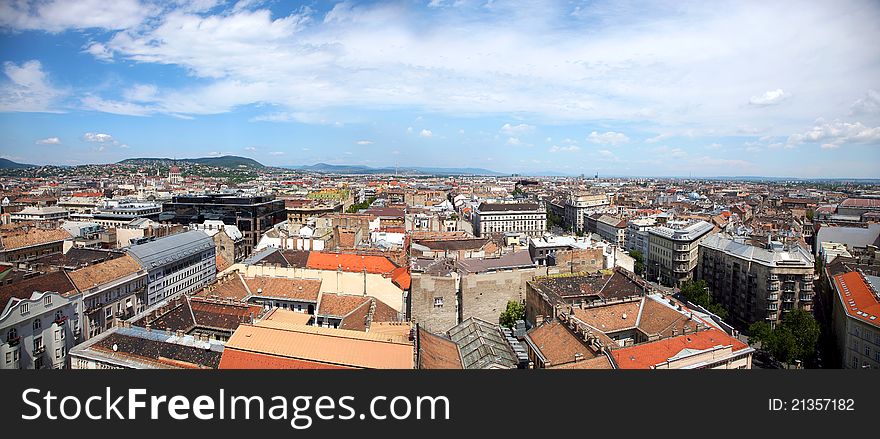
[250, 148]
[666, 151]
[673, 68]
[837, 133]
[514, 141]
[771, 97]
[99, 51]
[98, 138]
[276, 153]
[364, 142]
[141, 93]
[60, 15]
[570, 148]
[27, 89]
[606, 154]
[514, 130]
[116, 107]
[49, 141]
[425, 133]
[608, 138]
[870, 104]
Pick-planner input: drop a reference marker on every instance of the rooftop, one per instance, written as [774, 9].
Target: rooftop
[860, 296]
[648, 355]
[171, 248]
[104, 272]
[313, 347]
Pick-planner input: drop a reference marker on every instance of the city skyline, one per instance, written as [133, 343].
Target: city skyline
[728, 89]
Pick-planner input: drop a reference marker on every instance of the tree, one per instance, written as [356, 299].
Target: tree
[697, 292]
[759, 332]
[515, 311]
[639, 265]
[793, 340]
[805, 329]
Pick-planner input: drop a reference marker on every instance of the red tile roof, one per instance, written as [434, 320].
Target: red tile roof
[647, 355]
[350, 262]
[859, 301]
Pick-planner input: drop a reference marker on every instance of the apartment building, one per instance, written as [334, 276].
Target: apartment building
[253, 215]
[756, 282]
[176, 264]
[38, 321]
[637, 236]
[112, 291]
[857, 319]
[578, 207]
[496, 218]
[673, 251]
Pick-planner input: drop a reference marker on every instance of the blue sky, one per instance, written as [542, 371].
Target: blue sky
[620, 88]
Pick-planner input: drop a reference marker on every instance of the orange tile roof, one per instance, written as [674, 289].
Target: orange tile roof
[339, 305]
[32, 237]
[235, 359]
[557, 344]
[401, 277]
[647, 355]
[436, 352]
[600, 362]
[231, 287]
[610, 318]
[350, 262]
[104, 272]
[288, 316]
[334, 347]
[857, 298]
[282, 287]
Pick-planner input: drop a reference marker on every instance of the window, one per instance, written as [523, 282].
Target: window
[37, 324]
[8, 357]
[47, 300]
[438, 302]
[57, 335]
[24, 308]
[57, 353]
[109, 312]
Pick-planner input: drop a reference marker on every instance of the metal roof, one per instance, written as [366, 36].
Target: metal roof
[171, 248]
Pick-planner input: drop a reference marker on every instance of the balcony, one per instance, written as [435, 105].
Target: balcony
[60, 320]
[772, 307]
[772, 297]
[682, 257]
[806, 298]
[773, 287]
[39, 350]
[771, 316]
[772, 278]
[13, 341]
[788, 299]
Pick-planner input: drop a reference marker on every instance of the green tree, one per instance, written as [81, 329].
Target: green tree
[515, 311]
[759, 332]
[696, 292]
[805, 329]
[783, 345]
[640, 262]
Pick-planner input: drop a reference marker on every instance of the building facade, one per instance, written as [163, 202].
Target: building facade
[176, 264]
[253, 215]
[38, 322]
[673, 251]
[496, 218]
[856, 319]
[578, 207]
[112, 291]
[756, 283]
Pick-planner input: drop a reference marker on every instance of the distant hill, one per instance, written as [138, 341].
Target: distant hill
[9, 164]
[226, 161]
[403, 170]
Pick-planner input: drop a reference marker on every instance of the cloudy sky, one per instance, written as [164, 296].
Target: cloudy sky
[620, 88]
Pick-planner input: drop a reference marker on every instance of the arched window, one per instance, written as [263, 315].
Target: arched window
[12, 335]
[37, 324]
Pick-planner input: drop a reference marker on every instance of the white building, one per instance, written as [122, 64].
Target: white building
[177, 264]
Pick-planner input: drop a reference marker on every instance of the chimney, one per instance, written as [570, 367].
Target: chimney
[539, 320]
